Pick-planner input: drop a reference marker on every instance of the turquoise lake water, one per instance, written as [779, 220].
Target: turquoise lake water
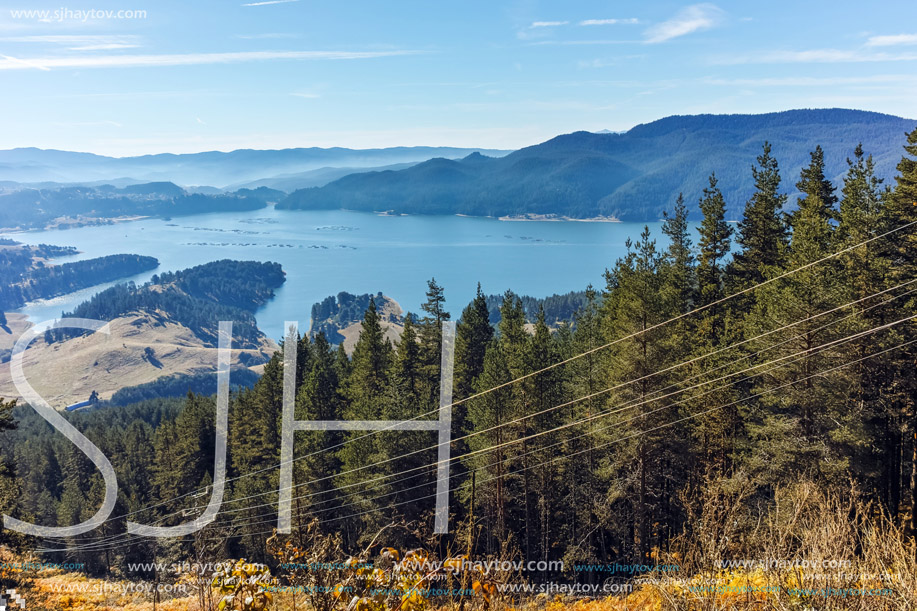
[325, 252]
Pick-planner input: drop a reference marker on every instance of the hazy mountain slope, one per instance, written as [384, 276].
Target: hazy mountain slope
[632, 176]
[311, 178]
[26, 165]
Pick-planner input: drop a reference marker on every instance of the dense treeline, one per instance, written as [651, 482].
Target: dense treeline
[727, 376]
[336, 312]
[46, 281]
[240, 284]
[16, 261]
[180, 384]
[557, 308]
[198, 298]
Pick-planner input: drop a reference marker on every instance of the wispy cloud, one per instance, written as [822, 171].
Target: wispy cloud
[81, 42]
[267, 2]
[892, 40]
[608, 21]
[76, 39]
[89, 124]
[548, 24]
[512, 105]
[815, 81]
[267, 36]
[814, 56]
[187, 59]
[576, 43]
[604, 63]
[110, 46]
[694, 18]
[15, 62]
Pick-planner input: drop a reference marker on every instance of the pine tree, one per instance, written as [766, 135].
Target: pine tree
[584, 484]
[194, 442]
[863, 212]
[40, 478]
[818, 192]
[320, 395]
[546, 393]
[303, 357]
[903, 211]
[863, 272]
[136, 463]
[165, 464]
[487, 417]
[367, 392]
[649, 458]
[316, 458]
[904, 196]
[679, 256]
[255, 418]
[369, 375]
[514, 344]
[472, 335]
[799, 421]
[10, 490]
[343, 364]
[413, 478]
[431, 339]
[80, 498]
[407, 375]
[715, 236]
[762, 231]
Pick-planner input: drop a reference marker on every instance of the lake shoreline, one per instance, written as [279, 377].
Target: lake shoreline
[529, 217]
[329, 251]
[62, 224]
[550, 218]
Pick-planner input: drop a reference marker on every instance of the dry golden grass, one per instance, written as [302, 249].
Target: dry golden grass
[392, 330]
[16, 325]
[67, 372]
[863, 549]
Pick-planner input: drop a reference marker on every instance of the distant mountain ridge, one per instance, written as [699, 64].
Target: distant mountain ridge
[214, 168]
[632, 176]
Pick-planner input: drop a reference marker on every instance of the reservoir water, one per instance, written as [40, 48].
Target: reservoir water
[325, 252]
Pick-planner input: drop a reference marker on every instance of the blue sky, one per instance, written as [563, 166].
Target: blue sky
[185, 77]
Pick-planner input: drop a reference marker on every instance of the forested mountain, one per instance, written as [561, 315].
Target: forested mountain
[631, 176]
[24, 275]
[699, 392]
[316, 178]
[23, 207]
